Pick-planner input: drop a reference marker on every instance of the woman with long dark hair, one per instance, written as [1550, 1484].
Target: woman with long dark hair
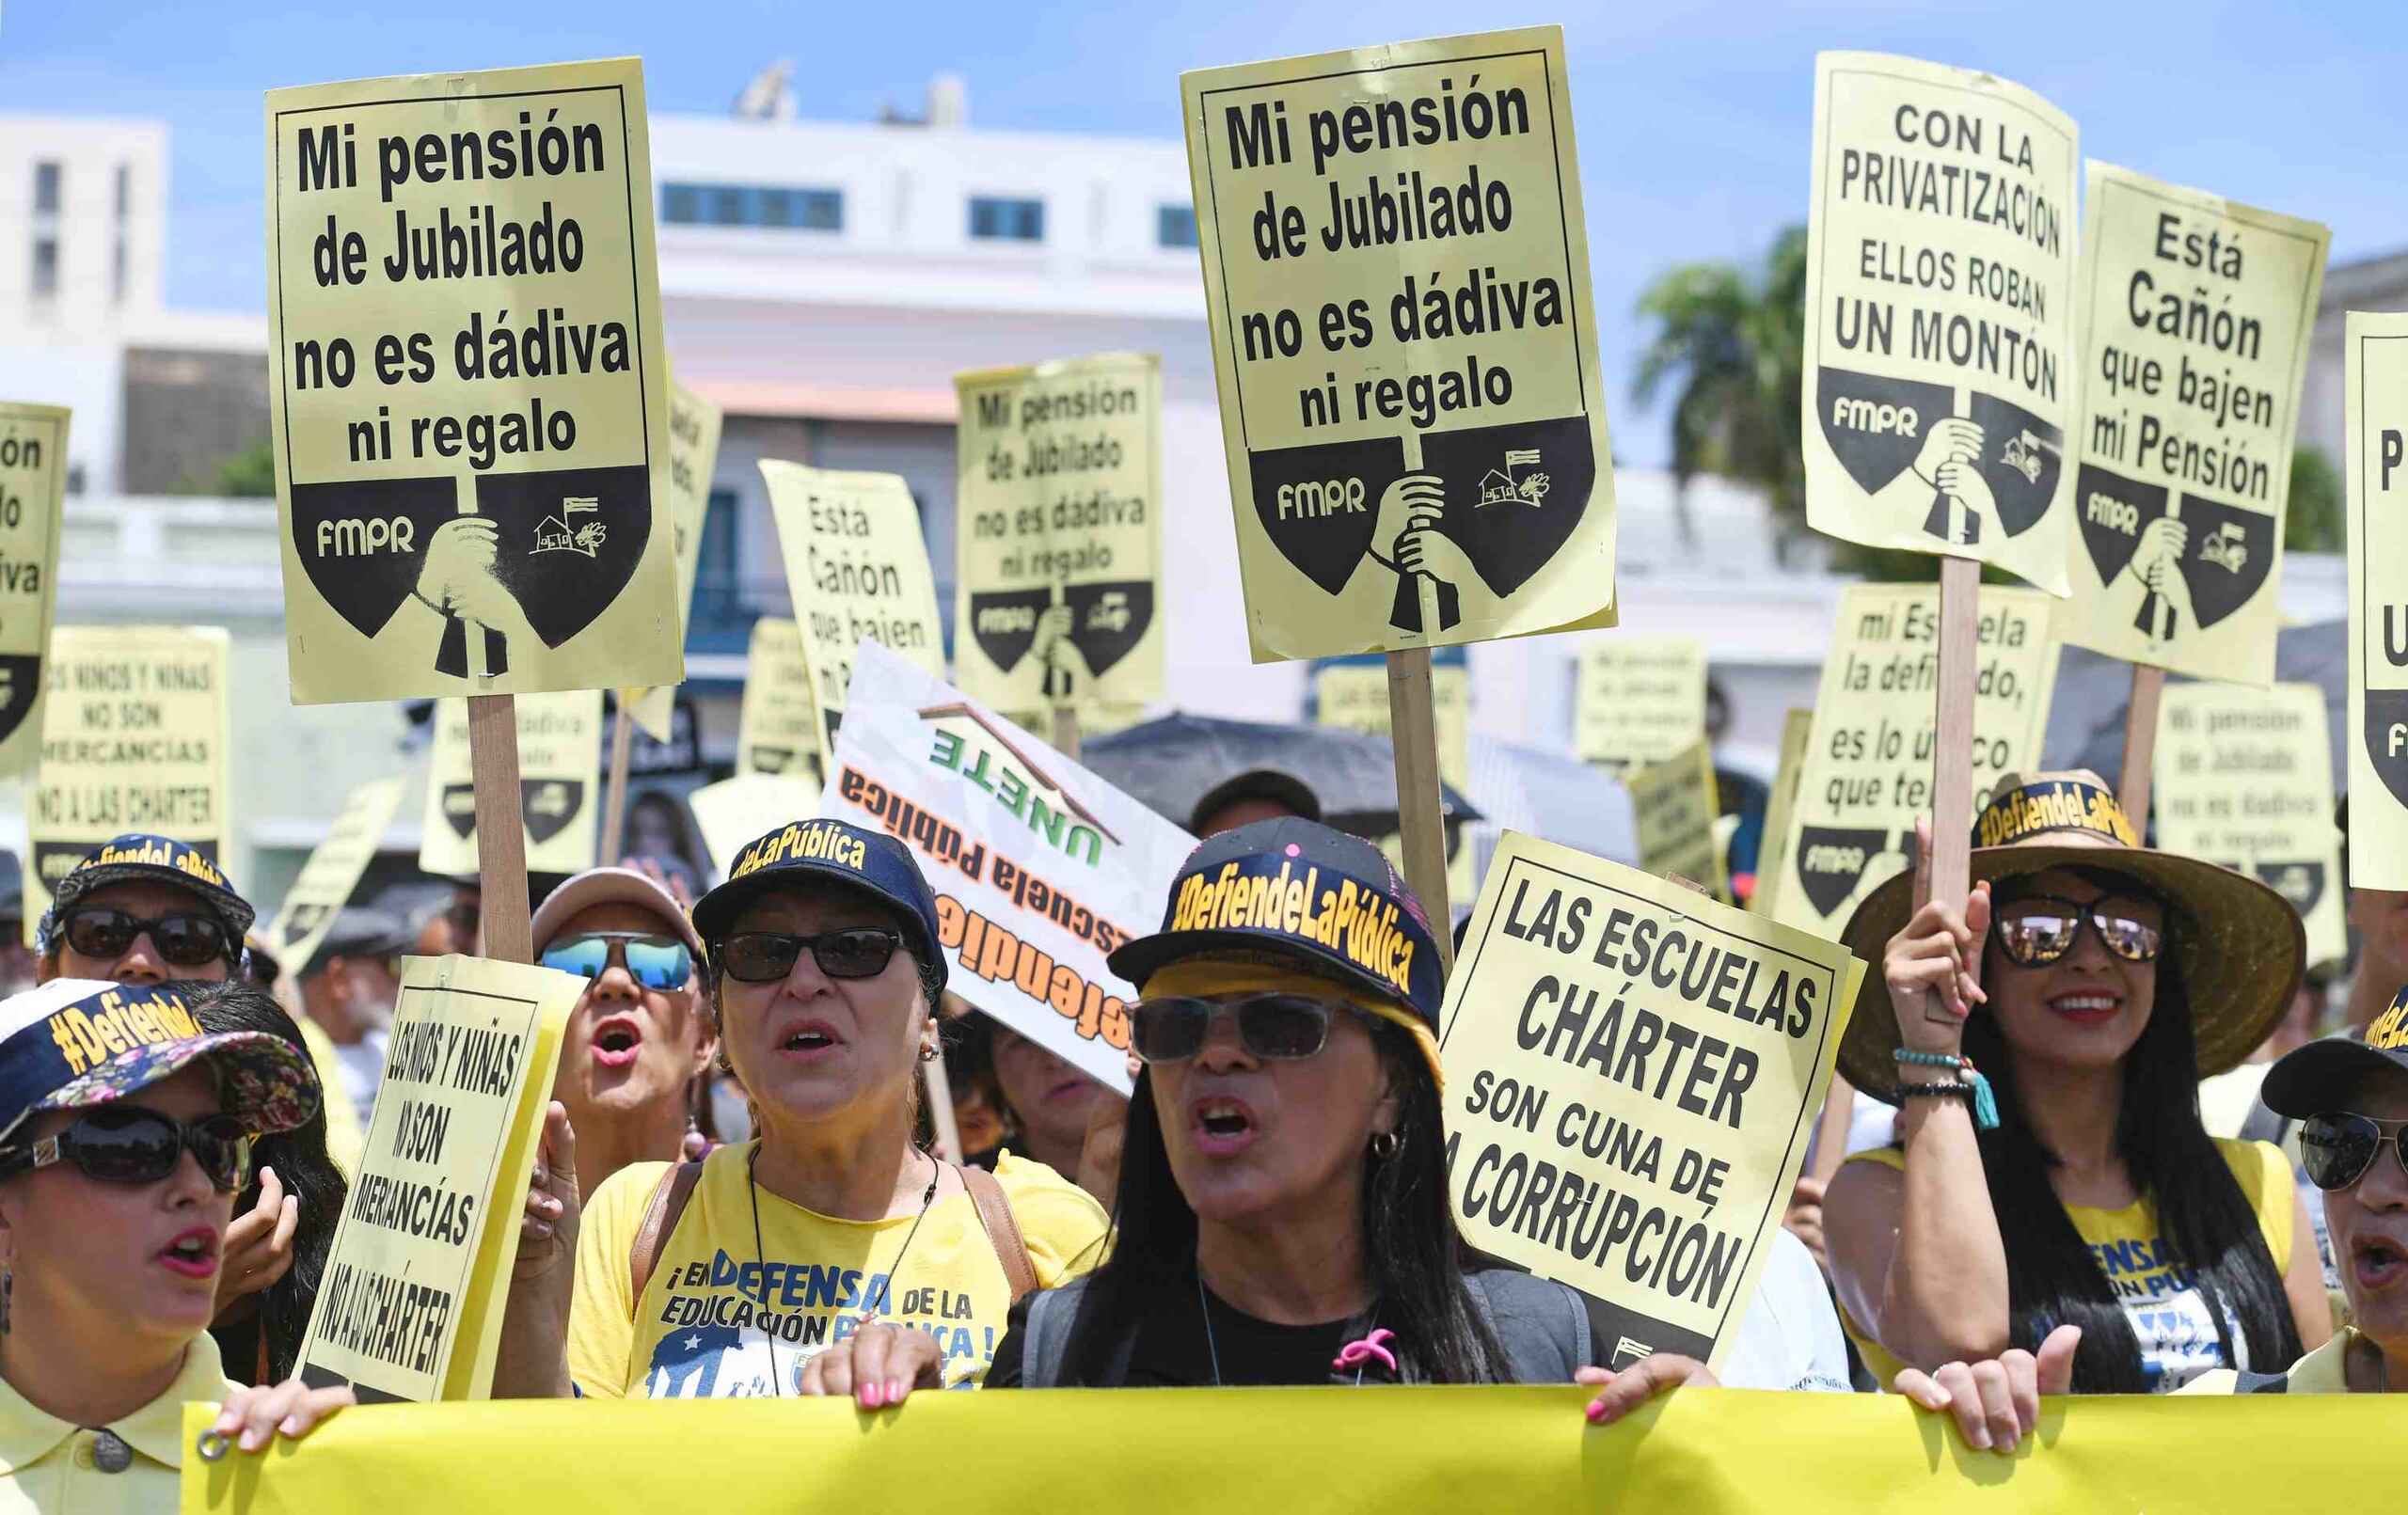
[2045, 1038]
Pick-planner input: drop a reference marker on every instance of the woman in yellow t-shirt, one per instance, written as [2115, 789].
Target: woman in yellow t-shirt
[2045, 1036]
[725, 1278]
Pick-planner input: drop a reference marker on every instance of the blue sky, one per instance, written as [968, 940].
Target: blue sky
[1693, 119]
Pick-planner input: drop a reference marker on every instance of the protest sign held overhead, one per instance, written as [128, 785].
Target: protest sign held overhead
[467, 384]
[1673, 804]
[33, 485]
[412, 1302]
[857, 567]
[2195, 318]
[2244, 778]
[1638, 700]
[732, 811]
[333, 871]
[1353, 695]
[560, 747]
[1057, 559]
[2376, 410]
[134, 739]
[1868, 771]
[1632, 1076]
[693, 452]
[1396, 280]
[777, 726]
[1040, 868]
[1940, 375]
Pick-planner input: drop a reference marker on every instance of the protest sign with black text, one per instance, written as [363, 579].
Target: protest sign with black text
[693, 452]
[1639, 699]
[33, 487]
[333, 870]
[2376, 479]
[559, 747]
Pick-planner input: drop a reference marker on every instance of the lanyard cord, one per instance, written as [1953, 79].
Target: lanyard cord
[760, 1261]
[1212, 1346]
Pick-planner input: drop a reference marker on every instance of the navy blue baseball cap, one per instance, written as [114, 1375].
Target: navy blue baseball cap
[1295, 889]
[76, 1042]
[829, 851]
[138, 855]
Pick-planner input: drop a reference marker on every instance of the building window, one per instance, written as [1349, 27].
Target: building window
[993, 219]
[46, 177]
[45, 266]
[681, 205]
[1174, 226]
[735, 205]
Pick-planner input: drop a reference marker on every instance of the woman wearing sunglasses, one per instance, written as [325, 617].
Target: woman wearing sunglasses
[639, 1040]
[730, 1276]
[2045, 1038]
[144, 909]
[125, 1130]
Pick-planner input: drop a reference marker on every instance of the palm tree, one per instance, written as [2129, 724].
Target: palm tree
[1733, 339]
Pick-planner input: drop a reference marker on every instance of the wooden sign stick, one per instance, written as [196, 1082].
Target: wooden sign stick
[1413, 728]
[1952, 757]
[939, 1086]
[501, 827]
[2140, 744]
[614, 793]
[1065, 730]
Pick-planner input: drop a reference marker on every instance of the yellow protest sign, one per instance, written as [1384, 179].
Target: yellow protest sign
[1940, 355]
[1869, 759]
[1632, 1075]
[2376, 409]
[333, 870]
[1354, 697]
[465, 384]
[2196, 313]
[1772, 849]
[1395, 279]
[746, 808]
[1673, 808]
[2244, 778]
[1639, 699]
[134, 739]
[777, 726]
[857, 566]
[412, 1304]
[33, 485]
[693, 452]
[1058, 560]
[560, 758]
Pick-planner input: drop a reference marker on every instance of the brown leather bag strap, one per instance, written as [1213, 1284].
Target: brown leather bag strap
[661, 1218]
[1003, 1229]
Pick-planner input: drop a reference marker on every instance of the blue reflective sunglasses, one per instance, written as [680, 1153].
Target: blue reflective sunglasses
[655, 962]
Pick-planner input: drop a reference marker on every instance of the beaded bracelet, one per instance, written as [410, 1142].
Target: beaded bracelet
[1936, 1091]
[1985, 1103]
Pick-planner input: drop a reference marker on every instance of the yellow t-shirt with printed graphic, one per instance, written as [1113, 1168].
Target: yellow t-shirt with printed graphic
[726, 1317]
[2169, 1316]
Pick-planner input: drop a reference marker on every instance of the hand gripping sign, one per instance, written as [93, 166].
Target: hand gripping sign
[1396, 277]
[33, 485]
[469, 392]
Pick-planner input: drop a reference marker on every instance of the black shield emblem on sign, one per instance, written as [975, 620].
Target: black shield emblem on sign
[1514, 494]
[1003, 625]
[1832, 861]
[2386, 723]
[550, 805]
[569, 540]
[2302, 883]
[20, 682]
[2114, 511]
[460, 808]
[304, 920]
[1875, 426]
[2022, 457]
[2228, 555]
[772, 759]
[1107, 620]
[1319, 504]
[363, 543]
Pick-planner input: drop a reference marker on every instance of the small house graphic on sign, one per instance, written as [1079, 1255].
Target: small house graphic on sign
[554, 533]
[1499, 487]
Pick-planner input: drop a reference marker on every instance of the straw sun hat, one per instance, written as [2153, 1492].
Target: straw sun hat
[2240, 944]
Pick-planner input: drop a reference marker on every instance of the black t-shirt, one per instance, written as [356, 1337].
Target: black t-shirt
[1168, 1348]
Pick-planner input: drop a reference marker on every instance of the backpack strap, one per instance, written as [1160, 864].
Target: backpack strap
[661, 1218]
[1003, 1229]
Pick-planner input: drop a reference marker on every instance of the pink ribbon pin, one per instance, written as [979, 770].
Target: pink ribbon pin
[1356, 1353]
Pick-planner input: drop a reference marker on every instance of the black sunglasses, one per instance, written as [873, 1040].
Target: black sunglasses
[1282, 1027]
[765, 957]
[185, 939]
[2038, 929]
[128, 1145]
[2336, 1147]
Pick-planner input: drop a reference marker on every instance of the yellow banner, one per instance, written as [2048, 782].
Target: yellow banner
[33, 485]
[777, 726]
[560, 766]
[1940, 354]
[2196, 320]
[412, 1302]
[857, 567]
[1638, 700]
[333, 870]
[1868, 759]
[1057, 575]
[467, 384]
[693, 452]
[1673, 805]
[134, 739]
[1395, 279]
[1772, 850]
[2376, 408]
